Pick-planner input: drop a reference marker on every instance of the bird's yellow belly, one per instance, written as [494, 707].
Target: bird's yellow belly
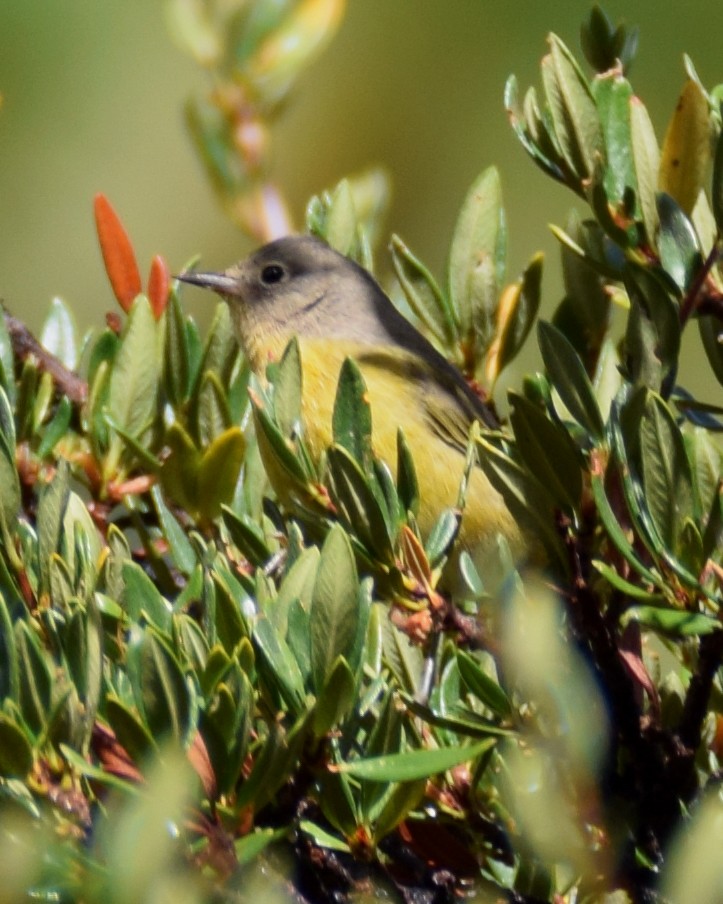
[396, 402]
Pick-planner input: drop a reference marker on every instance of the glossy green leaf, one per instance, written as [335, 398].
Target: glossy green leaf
[527, 499]
[335, 699]
[9, 481]
[7, 362]
[414, 764]
[132, 734]
[136, 371]
[515, 322]
[477, 259]
[288, 390]
[646, 161]
[35, 682]
[548, 452]
[529, 130]
[486, 689]
[51, 512]
[423, 294]
[211, 413]
[358, 505]
[176, 359]
[142, 597]
[672, 622]
[407, 483]
[652, 338]
[279, 666]
[58, 334]
[568, 376]
[574, 112]
[667, 477]
[678, 244]
[180, 548]
[247, 536]
[442, 535]
[613, 94]
[219, 470]
[352, 417]
[160, 689]
[334, 613]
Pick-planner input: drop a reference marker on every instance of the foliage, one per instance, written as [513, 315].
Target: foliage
[208, 688]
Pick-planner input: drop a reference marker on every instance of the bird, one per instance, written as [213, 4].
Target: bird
[298, 286]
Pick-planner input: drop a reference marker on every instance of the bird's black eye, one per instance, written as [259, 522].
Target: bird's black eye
[272, 273]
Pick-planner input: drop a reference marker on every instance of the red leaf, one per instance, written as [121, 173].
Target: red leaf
[159, 281]
[118, 255]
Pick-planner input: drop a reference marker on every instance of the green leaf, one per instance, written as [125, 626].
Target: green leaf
[667, 477]
[9, 482]
[9, 676]
[646, 161]
[528, 500]
[219, 470]
[58, 334]
[160, 689]
[423, 295]
[136, 371]
[569, 378]
[486, 689]
[358, 505]
[352, 417]
[176, 359]
[678, 244]
[132, 733]
[278, 664]
[7, 361]
[250, 846]
[211, 414]
[442, 535]
[334, 614]
[413, 764]
[336, 698]
[671, 622]
[56, 428]
[247, 536]
[574, 112]
[476, 263]
[52, 504]
[407, 483]
[612, 95]
[179, 546]
[532, 132]
[652, 338]
[548, 452]
[35, 683]
[288, 390]
[142, 597]
[514, 322]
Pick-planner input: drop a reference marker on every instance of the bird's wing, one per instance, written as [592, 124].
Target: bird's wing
[449, 412]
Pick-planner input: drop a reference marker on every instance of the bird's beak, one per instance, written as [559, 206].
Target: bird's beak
[219, 282]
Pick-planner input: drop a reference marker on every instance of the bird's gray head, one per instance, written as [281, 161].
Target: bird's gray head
[296, 285]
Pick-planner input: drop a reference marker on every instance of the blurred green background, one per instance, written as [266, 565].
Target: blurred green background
[93, 95]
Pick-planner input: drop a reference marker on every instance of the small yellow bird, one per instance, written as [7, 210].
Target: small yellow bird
[299, 286]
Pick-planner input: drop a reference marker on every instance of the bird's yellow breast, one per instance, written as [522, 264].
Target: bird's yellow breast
[396, 400]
